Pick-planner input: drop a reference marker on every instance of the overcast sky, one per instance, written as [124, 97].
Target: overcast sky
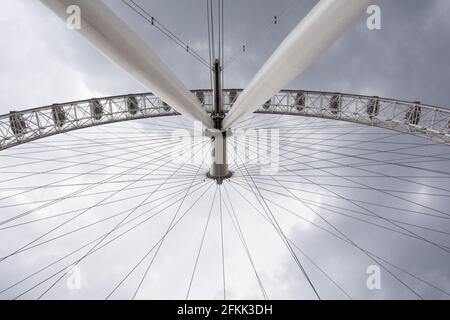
[42, 62]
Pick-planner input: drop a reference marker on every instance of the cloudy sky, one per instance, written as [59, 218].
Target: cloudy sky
[42, 62]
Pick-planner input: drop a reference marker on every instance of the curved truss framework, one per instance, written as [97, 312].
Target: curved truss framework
[410, 117]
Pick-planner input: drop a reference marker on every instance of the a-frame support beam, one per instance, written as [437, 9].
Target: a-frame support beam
[111, 36]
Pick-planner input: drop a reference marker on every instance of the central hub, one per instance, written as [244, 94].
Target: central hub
[219, 165]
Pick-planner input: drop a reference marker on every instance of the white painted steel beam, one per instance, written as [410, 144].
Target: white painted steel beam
[326, 22]
[112, 37]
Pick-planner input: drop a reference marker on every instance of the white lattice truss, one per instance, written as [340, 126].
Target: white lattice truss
[414, 118]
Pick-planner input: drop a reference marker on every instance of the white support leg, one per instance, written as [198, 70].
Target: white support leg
[111, 36]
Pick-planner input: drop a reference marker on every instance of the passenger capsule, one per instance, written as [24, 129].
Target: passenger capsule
[96, 109]
[300, 101]
[17, 123]
[201, 97]
[232, 96]
[166, 107]
[132, 105]
[335, 104]
[59, 115]
[413, 114]
[373, 107]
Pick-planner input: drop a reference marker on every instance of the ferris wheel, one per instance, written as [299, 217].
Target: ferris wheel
[268, 193]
